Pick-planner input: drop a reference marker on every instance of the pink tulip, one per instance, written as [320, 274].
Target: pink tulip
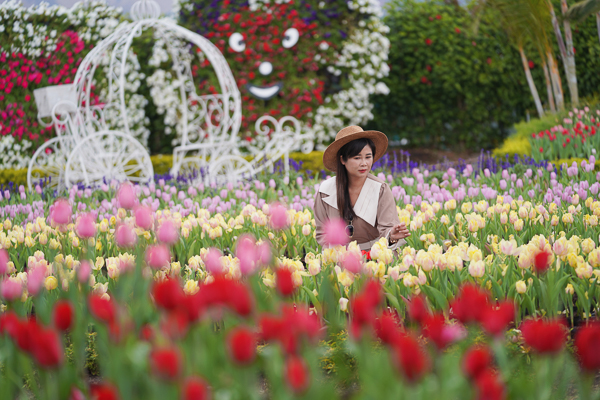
[335, 232]
[125, 236]
[84, 271]
[86, 226]
[126, 196]
[10, 290]
[61, 212]
[4, 259]
[278, 216]
[35, 280]
[247, 254]
[352, 262]
[212, 261]
[167, 232]
[264, 253]
[158, 256]
[144, 217]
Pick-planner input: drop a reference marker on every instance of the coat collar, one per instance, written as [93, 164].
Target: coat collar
[366, 204]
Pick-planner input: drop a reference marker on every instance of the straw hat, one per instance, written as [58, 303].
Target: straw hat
[349, 134]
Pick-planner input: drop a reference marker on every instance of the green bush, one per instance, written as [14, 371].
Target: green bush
[450, 87]
[462, 89]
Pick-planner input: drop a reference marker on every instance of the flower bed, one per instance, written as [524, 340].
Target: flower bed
[179, 284]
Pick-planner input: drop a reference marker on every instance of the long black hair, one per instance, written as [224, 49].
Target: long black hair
[349, 150]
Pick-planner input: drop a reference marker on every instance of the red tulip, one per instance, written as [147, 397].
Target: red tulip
[285, 283]
[195, 388]
[418, 310]
[436, 329]
[387, 327]
[489, 386]
[541, 261]
[476, 360]
[470, 304]
[63, 315]
[587, 343]
[297, 374]
[175, 324]
[46, 348]
[104, 391]
[544, 336]
[166, 362]
[242, 345]
[9, 323]
[496, 318]
[102, 309]
[410, 358]
[168, 294]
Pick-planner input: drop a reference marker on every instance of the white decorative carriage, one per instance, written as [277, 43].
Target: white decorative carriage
[86, 151]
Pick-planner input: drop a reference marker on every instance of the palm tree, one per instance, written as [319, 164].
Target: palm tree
[566, 49]
[580, 11]
[528, 21]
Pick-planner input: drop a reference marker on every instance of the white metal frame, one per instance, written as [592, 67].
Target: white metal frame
[84, 150]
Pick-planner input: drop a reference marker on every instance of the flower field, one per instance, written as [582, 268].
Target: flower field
[177, 290]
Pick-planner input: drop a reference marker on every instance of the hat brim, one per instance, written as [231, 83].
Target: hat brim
[379, 139]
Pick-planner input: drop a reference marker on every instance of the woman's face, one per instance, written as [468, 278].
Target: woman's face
[359, 165]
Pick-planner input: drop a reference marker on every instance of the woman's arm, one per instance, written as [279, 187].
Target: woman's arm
[387, 217]
[320, 217]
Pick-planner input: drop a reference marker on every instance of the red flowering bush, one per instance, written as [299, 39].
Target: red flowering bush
[574, 137]
[22, 74]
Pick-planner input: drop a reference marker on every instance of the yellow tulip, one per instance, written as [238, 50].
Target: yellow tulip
[50, 283]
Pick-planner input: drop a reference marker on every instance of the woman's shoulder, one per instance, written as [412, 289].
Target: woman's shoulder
[328, 186]
[380, 183]
[376, 179]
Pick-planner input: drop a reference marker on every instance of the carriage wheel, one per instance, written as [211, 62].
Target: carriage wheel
[108, 155]
[48, 164]
[229, 169]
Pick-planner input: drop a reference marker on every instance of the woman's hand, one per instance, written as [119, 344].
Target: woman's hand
[398, 232]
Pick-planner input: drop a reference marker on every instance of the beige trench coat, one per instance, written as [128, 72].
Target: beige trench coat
[375, 211]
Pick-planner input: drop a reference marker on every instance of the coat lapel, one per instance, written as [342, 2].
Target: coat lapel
[366, 204]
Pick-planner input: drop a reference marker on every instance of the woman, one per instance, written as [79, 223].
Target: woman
[362, 200]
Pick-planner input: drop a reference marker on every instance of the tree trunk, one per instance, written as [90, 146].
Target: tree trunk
[549, 87]
[532, 88]
[556, 82]
[563, 54]
[570, 62]
[598, 24]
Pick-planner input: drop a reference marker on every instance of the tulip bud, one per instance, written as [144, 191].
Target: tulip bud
[521, 287]
[86, 226]
[126, 196]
